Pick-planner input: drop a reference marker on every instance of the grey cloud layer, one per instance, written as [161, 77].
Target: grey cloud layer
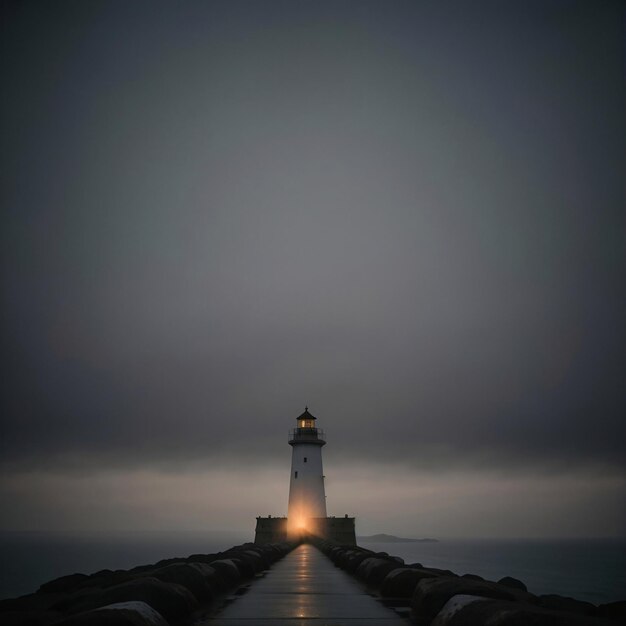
[409, 216]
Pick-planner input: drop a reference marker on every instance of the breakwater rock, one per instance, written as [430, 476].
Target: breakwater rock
[442, 598]
[166, 593]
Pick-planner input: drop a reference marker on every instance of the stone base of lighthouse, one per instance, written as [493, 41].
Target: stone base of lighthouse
[339, 530]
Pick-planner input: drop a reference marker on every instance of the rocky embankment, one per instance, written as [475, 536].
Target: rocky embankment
[442, 598]
[168, 593]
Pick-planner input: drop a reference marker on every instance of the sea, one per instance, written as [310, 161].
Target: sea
[593, 570]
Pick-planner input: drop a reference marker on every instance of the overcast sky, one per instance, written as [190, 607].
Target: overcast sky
[408, 215]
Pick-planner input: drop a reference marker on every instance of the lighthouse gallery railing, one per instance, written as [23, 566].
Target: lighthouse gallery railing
[306, 434]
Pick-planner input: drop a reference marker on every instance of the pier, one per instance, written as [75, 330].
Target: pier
[305, 587]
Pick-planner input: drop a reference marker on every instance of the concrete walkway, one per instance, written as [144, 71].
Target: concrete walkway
[304, 588]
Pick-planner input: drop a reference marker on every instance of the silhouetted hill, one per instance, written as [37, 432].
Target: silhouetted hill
[382, 538]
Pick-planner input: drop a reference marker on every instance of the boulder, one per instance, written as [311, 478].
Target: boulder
[31, 602]
[202, 558]
[440, 572]
[166, 562]
[401, 582]
[209, 574]
[248, 562]
[479, 610]
[104, 572]
[431, 594]
[29, 618]
[63, 584]
[120, 614]
[228, 573]
[171, 600]
[339, 556]
[475, 577]
[334, 553]
[189, 577]
[254, 560]
[264, 561]
[108, 578]
[373, 570]
[142, 568]
[562, 603]
[614, 611]
[453, 606]
[513, 583]
[245, 566]
[352, 561]
[349, 554]
[68, 602]
[277, 550]
[267, 553]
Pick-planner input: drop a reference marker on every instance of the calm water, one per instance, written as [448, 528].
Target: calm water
[592, 570]
[29, 559]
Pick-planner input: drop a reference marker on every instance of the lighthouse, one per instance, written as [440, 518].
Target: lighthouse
[307, 499]
[306, 513]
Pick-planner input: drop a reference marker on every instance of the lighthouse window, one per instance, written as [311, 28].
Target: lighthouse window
[305, 459]
[296, 476]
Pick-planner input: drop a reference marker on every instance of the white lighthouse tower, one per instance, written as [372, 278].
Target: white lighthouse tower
[307, 516]
[307, 499]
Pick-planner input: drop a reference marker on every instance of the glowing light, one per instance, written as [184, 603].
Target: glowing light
[299, 523]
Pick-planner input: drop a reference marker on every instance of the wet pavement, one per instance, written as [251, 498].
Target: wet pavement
[305, 587]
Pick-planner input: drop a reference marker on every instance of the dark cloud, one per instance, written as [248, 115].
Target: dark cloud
[409, 215]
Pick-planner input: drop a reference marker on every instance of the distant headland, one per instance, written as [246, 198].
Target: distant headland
[383, 538]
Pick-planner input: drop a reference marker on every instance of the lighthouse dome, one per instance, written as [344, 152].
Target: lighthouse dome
[306, 415]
